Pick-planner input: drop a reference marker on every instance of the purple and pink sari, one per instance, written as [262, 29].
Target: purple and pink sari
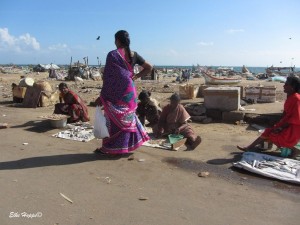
[119, 99]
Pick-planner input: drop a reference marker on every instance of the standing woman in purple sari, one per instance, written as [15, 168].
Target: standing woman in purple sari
[119, 98]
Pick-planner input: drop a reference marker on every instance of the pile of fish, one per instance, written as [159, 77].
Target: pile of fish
[54, 117]
[271, 166]
[77, 132]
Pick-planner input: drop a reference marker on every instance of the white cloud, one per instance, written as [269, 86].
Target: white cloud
[5, 37]
[80, 48]
[233, 31]
[59, 47]
[202, 43]
[22, 43]
[29, 41]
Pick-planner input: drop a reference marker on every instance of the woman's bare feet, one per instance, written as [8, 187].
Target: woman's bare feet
[295, 153]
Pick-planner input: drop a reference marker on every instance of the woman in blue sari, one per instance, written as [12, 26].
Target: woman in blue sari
[119, 99]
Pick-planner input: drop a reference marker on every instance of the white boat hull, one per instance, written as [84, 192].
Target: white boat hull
[209, 79]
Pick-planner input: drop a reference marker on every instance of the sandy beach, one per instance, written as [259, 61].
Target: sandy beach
[59, 181]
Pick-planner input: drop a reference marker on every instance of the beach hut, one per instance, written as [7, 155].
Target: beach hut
[45, 67]
[39, 68]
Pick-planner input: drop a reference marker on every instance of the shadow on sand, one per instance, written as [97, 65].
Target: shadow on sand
[236, 157]
[56, 160]
[7, 102]
[218, 169]
[38, 126]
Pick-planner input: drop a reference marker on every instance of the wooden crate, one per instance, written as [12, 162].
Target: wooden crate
[261, 93]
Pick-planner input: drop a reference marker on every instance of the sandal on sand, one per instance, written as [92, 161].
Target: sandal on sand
[98, 151]
[295, 154]
[196, 142]
[244, 149]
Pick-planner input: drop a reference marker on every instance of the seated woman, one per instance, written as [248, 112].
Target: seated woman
[148, 109]
[173, 120]
[71, 104]
[285, 133]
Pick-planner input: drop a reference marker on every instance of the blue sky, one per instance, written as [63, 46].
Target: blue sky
[186, 32]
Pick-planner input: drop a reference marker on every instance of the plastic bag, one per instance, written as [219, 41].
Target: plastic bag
[100, 129]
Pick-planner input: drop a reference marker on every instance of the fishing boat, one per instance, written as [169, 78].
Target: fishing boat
[210, 79]
[280, 71]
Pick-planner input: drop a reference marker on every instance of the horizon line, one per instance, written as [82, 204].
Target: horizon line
[27, 64]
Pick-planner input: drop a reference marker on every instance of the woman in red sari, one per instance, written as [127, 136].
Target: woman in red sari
[71, 104]
[285, 133]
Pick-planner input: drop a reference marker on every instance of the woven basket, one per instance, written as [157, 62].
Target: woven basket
[43, 86]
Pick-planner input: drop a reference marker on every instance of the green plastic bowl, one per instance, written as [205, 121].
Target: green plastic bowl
[173, 138]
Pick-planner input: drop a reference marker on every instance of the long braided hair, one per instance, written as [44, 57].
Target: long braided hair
[123, 37]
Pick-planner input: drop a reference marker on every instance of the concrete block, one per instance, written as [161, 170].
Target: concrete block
[222, 98]
[202, 87]
[233, 116]
[200, 93]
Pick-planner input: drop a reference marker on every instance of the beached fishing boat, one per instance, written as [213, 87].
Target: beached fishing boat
[280, 71]
[210, 79]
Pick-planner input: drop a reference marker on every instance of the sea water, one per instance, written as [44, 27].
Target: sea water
[252, 69]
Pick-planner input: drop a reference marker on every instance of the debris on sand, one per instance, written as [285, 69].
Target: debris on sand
[130, 158]
[3, 125]
[65, 197]
[203, 174]
[143, 198]
[108, 180]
